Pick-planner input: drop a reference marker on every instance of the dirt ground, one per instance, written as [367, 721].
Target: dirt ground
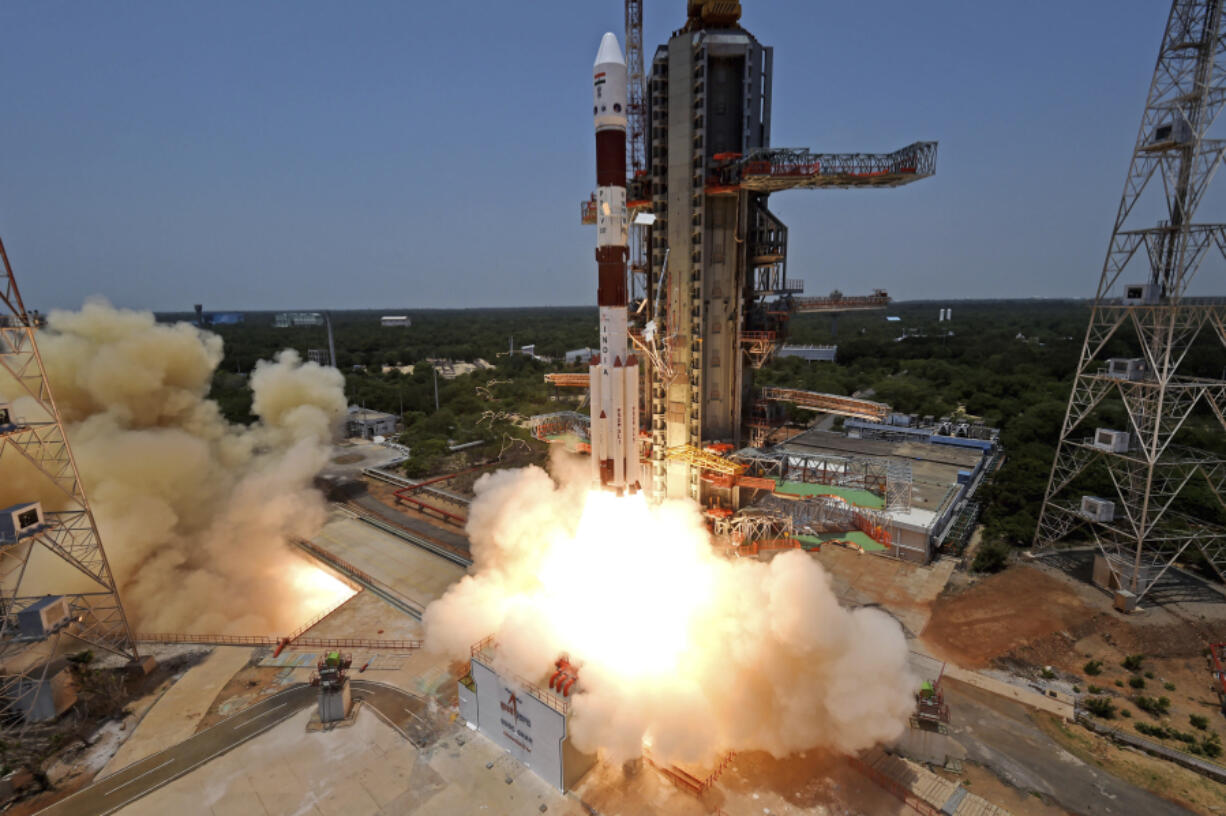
[906, 590]
[1000, 614]
[755, 782]
[1034, 616]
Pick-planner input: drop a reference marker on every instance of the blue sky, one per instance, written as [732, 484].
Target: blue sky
[311, 154]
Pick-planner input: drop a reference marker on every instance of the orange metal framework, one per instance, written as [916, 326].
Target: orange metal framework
[687, 781]
[759, 346]
[705, 460]
[830, 403]
[564, 380]
[766, 545]
[268, 640]
[843, 303]
[774, 169]
[1217, 652]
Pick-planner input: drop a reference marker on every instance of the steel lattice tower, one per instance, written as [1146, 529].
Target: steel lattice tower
[69, 535]
[1123, 485]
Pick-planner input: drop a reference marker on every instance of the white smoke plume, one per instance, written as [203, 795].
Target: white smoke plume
[194, 511]
[679, 648]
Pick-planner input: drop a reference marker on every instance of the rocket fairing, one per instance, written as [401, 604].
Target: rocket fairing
[614, 372]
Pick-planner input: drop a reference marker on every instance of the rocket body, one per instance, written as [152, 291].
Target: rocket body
[614, 372]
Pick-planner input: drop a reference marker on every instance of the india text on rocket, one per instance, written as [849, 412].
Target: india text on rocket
[615, 371]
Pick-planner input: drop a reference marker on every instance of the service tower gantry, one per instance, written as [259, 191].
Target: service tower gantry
[716, 253]
[1142, 387]
[57, 594]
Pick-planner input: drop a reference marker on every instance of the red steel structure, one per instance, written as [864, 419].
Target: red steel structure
[407, 496]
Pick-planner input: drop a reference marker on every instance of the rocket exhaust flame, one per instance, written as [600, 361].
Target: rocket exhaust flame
[674, 644]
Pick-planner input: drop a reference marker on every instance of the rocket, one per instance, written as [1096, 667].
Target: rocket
[614, 372]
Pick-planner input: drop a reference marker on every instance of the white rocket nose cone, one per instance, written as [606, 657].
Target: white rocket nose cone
[610, 51]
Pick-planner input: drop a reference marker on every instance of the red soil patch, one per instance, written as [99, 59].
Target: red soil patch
[1000, 614]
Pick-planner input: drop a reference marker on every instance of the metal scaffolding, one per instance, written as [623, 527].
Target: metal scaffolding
[1140, 469]
[34, 434]
[828, 403]
[772, 169]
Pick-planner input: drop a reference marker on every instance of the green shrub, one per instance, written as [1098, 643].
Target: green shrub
[1149, 675]
[1198, 722]
[1048, 674]
[1076, 689]
[1151, 730]
[1212, 747]
[992, 556]
[1093, 667]
[1119, 683]
[1169, 686]
[1125, 712]
[1095, 689]
[1100, 707]
[1157, 707]
[1136, 682]
[1133, 662]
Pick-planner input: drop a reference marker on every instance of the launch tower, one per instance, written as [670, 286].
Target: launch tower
[1128, 450]
[716, 253]
[57, 593]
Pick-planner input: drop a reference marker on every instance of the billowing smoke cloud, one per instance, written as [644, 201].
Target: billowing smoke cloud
[680, 648]
[194, 511]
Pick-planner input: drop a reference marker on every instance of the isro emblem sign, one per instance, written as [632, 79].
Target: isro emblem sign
[516, 727]
[526, 728]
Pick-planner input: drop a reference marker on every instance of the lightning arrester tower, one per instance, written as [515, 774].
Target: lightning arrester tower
[1123, 464]
[47, 609]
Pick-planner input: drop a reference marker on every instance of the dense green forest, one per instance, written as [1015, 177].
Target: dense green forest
[1009, 362]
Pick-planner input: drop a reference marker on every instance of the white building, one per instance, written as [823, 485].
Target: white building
[811, 353]
[365, 424]
[388, 321]
[583, 355]
[285, 320]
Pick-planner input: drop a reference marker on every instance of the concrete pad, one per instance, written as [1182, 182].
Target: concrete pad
[174, 718]
[234, 803]
[415, 573]
[348, 798]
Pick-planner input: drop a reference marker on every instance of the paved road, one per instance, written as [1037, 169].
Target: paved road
[1000, 734]
[402, 710]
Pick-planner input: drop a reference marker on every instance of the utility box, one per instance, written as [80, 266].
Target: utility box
[1126, 368]
[43, 617]
[6, 416]
[19, 521]
[1096, 509]
[1125, 601]
[46, 700]
[1111, 441]
[1169, 134]
[1142, 294]
[335, 703]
